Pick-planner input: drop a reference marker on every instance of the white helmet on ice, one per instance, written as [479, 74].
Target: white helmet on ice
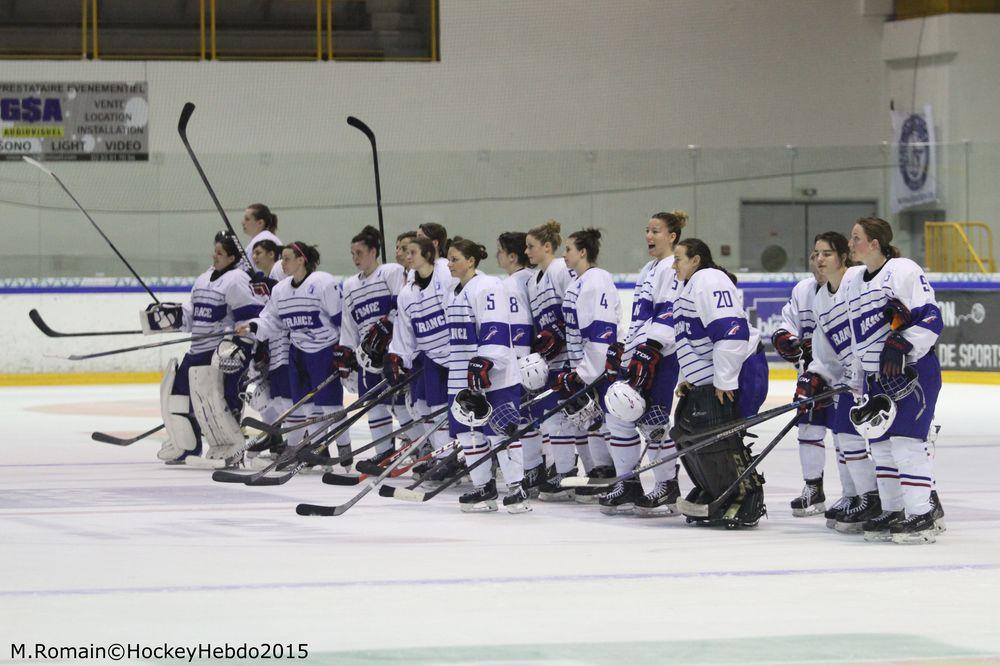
[256, 392]
[534, 372]
[873, 417]
[471, 408]
[366, 362]
[583, 411]
[624, 402]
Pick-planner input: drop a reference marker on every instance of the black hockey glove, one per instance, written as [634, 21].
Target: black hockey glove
[642, 367]
[377, 338]
[787, 345]
[893, 356]
[810, 385]
[898, 314]
[479, 373]
[567, 383]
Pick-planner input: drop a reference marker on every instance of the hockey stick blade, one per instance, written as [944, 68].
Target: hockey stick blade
[37, 320]
[182, 123]
[316, 510]
[360, 124]
[228, 476]
[105, 438]
[405, 494]
[332, 479]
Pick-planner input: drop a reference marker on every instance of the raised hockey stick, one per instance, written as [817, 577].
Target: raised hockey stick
[322, 460]
[322, 510]
[37, 320]
[83, 210]
[706, 510]
[411, 495]
[105, 438]
[152, 345]
[276, 429]
[367, 131]
[700, 440]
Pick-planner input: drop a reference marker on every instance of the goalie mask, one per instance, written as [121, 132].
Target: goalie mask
[874, 416]
[583, 411]
[471, 409]
[534, 372]
[229, 358]
[624, 402]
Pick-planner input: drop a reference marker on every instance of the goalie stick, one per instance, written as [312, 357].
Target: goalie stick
[83, 210]
[700, 441]
[411, 495]
[706, 510]
[340, 509]
[105, 438]
[152, 345]
[37, 320]
[367, 131]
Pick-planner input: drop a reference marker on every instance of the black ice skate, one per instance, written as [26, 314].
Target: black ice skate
[915, 529]
[482, 499]
[938, 512]
[516, 499]
[836, 512]
[344, 455]
[811, 501]
[661, 501]
[853, 520]
[591, 495]
[533, 478]
[877, 529]
[444, 469]
[550, 490]
[621, 498]
[373, 466]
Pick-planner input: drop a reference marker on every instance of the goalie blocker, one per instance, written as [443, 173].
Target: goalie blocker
[715, 467]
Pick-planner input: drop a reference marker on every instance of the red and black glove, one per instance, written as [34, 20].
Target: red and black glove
[899, 315]
[479, 373]
[549, 342]
[810, 385]
[393, 369]
[787, 345]
[807, 353]
[567, 383]
[343, 360]
[893, 356]
[377, 338]
[642, 367]
[613, 361]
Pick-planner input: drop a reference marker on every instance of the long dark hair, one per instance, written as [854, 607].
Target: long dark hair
[469, 249]
[370, 236]
[838, 243]
[436, 232]
[228, 243]
[695, 247]
[310, 252]
[512, 242]
[878, 229]
[263, 213]
[427, 249]
[588, 239]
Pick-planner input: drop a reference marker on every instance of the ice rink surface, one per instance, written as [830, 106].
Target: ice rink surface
[101, 544]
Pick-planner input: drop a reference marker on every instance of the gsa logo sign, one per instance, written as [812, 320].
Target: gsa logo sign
[914, 152]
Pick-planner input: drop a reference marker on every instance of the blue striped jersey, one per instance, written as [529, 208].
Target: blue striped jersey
[516, 285]
[651, 299]
[277, 348]
[219, 304]
[478, 315]
[310, 312]
[421, 326]
[797, 316]
[867, 297]
[833, 356]
[368, 298]
[592, 310]
[545, 295]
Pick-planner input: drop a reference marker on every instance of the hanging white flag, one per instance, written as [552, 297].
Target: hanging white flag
[914, 166]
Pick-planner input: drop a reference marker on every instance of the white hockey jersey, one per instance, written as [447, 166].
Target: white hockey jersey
[478, 315]
[797, 316]
[712, 332]
[546, 290]
[867, 297]
[276, 272]
[421, 325]
[218, 305]
[516, 285]
[367, 299]
[310, 312]
[652, 299]
[833, 358]
[592, 310]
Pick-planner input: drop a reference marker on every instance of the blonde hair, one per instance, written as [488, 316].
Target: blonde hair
[675, 221]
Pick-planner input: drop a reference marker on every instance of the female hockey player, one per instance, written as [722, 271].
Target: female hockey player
[369, 306]
[832, 359]
[259, 223]
[895, 324]
[220, 300]
[652, 302]
[308, 305]
[591, 310]
[724, 377]
[482, 374]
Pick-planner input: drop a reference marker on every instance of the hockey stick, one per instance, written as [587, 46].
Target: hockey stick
[706, 510]
[118, 441]
[152, 345]
[322, 460]
[354, 479]
[321, 510]
[37, 320]
[87, 215]
[700, 441]
[276, 429]
[358, 124]
[411, 495]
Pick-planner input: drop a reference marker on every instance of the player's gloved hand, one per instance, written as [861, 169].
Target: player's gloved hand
[377, 338]
[344, 361]
[807, 353]
[567, 383]
[642, 367]
[393, 369]
[899, 315]
[787, 345]
[810, 385]
[613, 361]
[260, 287]
[161, 318]
[549, 342]
[893, 356]
[479, 373]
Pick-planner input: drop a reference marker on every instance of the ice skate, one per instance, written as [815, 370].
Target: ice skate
[550, 490]
[621, 498]
[836, 511]
[661, 501]
[938, 512]
[516, 499]
[852, 521]
[811, 501]
[593, 494]
[915, 529]
[373, 466]
[533, 478]
[482, 499]
[877, 529]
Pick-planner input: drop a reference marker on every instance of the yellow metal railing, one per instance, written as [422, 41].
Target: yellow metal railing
[959, 247]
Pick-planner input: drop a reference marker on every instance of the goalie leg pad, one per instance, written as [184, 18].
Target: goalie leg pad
[181, 436]
[218, 424]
